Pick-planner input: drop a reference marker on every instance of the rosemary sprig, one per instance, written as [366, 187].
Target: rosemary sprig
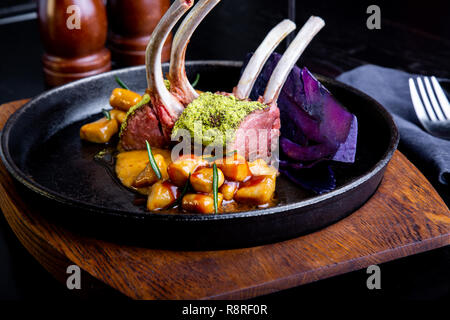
[197, 78]
[215, 188]
[152, 161]
[107, 114]
[121, 83]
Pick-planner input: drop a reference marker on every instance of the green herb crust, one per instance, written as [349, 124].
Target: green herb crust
[145, 99]
[167, 84]
[215, 117]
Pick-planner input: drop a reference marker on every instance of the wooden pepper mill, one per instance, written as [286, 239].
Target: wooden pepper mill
[131, 24]
[74, 34]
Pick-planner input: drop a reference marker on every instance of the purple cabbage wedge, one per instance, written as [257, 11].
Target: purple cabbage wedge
[314, 125]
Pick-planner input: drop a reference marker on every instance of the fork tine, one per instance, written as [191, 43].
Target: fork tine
[418, 106]
[425, 100]
[434, 103]
[441, 97]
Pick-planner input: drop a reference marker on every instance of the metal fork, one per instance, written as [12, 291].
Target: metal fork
[431, 106]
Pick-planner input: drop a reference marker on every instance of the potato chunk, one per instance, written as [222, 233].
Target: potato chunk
[148, 177]
[118, 115]
[129, 164]
[234, 167]
[162, 195]
[201, 203]
[202, 179]
[179, 170]
[124, 99]
[260, 167]
[228, 189]
[99, 131]
[258, 190]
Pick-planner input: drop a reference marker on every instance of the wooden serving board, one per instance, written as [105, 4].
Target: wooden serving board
[404, 217]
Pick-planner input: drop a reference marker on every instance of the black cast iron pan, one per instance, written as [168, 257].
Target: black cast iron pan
[41, 148]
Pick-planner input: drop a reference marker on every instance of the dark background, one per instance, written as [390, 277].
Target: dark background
[414, 36]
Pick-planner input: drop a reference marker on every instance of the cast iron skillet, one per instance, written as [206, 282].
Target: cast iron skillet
[41, 148]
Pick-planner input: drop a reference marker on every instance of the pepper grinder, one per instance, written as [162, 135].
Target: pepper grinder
[74, 34]
[131, 24]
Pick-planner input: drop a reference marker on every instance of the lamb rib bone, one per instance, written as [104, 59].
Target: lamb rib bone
[166, 106]
[259, 58]
[268, 119]
[180, 86]
[290, 57]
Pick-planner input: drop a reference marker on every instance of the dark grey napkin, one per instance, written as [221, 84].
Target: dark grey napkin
[390, 88]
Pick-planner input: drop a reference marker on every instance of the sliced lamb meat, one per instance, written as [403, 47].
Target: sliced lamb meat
[257, 131]
[260, 119]
[257, 135]
[142, 125]
[165, 107]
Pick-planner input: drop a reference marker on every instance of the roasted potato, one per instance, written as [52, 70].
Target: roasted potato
[234, 167]
[228, 189]
[179, 170]
[258, 190]
[124, 99]
[99, 131]
[118, 115]
[148, 177]
[162, 194]
[260, 167]
[201, 203]
[202, 179]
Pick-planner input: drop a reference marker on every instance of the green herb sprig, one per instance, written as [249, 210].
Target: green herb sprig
[215, 188]
[121, 83]
[107, 114]
[152, 161]
[197, 78]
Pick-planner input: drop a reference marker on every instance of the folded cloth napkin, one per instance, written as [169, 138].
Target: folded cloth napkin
[390, 88]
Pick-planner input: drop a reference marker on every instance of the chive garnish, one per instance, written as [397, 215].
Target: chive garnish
[152, 161]
[196, 80]
[121, 83]
[107, 114]
[215, 187]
